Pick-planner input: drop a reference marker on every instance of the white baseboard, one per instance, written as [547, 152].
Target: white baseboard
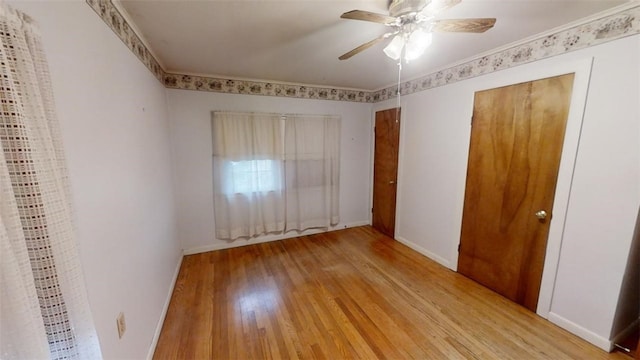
[163, 314]
[622, 335]
[439, 259]
[267, 238]
[597, 340]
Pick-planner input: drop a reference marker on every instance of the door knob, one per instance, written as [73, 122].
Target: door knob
[541, 215]
[392, 182]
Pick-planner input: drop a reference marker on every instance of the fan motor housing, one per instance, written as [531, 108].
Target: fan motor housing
[404, 7]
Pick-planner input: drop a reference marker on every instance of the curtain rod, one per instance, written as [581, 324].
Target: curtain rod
[274, 114]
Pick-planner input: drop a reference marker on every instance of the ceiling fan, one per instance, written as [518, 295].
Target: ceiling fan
[412, 23]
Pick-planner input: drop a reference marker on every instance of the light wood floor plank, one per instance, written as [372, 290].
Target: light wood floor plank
[349, 294]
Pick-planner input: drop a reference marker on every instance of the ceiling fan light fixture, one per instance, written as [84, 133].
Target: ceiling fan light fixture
[418, 42]
[394, 49]
[411, 22]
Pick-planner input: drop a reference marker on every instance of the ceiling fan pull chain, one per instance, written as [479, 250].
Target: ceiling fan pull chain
[398, 88]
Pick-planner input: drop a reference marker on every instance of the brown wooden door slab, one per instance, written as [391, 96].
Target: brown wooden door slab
[514, 156]
[385, 170]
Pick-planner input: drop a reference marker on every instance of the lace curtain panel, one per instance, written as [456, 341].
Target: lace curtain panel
[44, 311]
[247, 172]
[274, 173]
[312, 171]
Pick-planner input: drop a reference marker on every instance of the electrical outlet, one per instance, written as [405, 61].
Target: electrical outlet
[122, 325]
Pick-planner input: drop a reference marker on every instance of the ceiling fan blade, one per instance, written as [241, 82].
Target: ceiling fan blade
[368, 16]
[365, 46]
[464, 25]
[437, 6]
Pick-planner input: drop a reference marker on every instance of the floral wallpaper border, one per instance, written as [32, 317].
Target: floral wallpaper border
[112, 17]
[616, 26]
[202, 83]
[612, 27]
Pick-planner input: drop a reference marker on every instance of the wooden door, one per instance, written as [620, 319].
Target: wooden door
[516, 142]
[385, 170]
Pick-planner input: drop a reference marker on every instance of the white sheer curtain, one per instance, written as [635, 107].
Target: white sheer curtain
[312, 171]
[44, 311]
[247, 174]
[274, 173]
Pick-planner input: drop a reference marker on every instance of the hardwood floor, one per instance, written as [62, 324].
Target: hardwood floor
[347, 294]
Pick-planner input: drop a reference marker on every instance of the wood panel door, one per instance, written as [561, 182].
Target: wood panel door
[385, 170]
[516, 142]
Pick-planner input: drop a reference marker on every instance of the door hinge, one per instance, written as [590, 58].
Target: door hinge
[372, 210]
[472, 116]
[458, 247]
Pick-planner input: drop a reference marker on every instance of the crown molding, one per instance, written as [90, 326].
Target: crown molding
[271, 81]
[612, 24]
[594, 17]
[265, 88]
[127, 18]
[125, 32]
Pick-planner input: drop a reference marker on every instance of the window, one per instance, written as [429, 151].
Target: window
[274, 173]
[249, 176]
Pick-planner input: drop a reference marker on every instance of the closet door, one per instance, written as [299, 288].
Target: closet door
[516, 142]
[385, 170]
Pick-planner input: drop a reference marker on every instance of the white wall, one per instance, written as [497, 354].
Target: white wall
[627, 316]
[116, 136]
[116, 130]
[190, 116]
[603, 196]
[605, 193]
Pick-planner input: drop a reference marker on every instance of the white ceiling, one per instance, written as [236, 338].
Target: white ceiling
[299, 41]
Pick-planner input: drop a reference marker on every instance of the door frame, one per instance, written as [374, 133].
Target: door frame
[529, 120]
[540, 70]
[381, 107]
